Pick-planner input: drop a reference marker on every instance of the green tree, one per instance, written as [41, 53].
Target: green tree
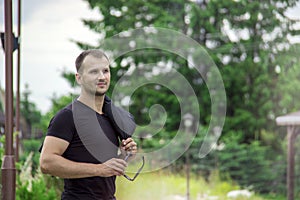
[288, 80]
[29, 112]
[244, 38]
[1, 100]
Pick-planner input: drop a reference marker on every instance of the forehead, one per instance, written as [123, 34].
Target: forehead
[92, 62]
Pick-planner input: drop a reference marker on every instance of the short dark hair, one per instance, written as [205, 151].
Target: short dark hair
[93, 52]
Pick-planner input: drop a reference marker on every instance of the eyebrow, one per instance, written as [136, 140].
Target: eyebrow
[97, 68]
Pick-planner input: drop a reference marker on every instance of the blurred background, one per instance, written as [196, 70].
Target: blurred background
[254, 44]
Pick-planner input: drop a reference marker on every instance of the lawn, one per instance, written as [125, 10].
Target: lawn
[167, 186]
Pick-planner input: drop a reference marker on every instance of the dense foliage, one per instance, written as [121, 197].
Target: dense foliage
[30, 122]
[248, 42]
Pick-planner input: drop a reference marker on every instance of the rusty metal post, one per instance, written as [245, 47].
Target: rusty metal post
[18, 84]
[8, 164]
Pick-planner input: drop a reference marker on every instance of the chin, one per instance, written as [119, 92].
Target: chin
[99, 94]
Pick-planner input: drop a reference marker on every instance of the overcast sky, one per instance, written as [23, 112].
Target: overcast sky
[46, 49]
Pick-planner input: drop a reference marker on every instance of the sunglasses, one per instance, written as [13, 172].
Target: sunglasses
[139, 170]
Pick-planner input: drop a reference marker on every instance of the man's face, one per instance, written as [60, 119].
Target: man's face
[94, 77]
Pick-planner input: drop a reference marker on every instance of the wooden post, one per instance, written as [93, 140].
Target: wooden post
[291, 137]
[292, 122]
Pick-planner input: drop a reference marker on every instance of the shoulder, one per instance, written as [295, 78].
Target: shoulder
[62, 124]
[62, 118]
[64, 113]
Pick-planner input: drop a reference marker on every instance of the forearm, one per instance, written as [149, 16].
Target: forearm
[57, 165]
[52, 162]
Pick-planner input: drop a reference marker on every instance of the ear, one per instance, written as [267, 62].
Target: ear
[78, 78]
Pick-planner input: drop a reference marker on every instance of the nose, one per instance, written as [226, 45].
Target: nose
[101, 75]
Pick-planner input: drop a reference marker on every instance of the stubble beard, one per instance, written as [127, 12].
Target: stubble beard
[94, 91]
[99, 94]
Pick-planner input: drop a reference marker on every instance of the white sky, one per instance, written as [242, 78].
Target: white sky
[46, 49]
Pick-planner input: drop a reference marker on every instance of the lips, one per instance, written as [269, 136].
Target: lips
[101, 84]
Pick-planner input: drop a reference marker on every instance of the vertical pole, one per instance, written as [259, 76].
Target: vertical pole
[8, 164]
[18, 84]
[291, 162]
[187, 175]
[188, 122]
[187, 167]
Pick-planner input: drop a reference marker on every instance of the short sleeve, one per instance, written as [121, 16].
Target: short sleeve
[62, 125]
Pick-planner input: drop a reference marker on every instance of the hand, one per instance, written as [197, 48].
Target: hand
[129, 146]
[113, 167]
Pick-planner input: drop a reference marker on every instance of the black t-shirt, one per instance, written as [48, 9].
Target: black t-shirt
[66, 125]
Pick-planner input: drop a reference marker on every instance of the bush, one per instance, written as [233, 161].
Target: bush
[251, 165]
[31, 146]
[31, 187]
[34, 190]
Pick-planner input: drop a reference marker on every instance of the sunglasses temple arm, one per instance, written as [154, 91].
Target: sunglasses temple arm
[140, 169]
[138, 172]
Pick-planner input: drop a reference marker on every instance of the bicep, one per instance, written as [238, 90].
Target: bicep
[54, 145]
[51, 154]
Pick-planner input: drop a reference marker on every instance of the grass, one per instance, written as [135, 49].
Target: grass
[164, 185]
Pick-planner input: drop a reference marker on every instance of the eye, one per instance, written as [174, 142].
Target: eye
[94, 71]
[106, 70]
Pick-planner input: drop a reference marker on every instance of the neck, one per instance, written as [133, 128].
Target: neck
[94, 102]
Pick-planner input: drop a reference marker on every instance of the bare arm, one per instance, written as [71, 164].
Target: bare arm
[52, 162]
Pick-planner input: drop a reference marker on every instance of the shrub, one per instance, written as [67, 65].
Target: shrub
[250, 165]
[31, 145]
[31, 187]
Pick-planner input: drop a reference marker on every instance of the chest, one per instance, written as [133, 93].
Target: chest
[94, 141]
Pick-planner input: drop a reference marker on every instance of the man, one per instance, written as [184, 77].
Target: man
[82, 141]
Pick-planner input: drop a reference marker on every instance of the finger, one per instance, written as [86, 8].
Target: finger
[117, 164]
[131, 146]
[120, 163]
[127, 141]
